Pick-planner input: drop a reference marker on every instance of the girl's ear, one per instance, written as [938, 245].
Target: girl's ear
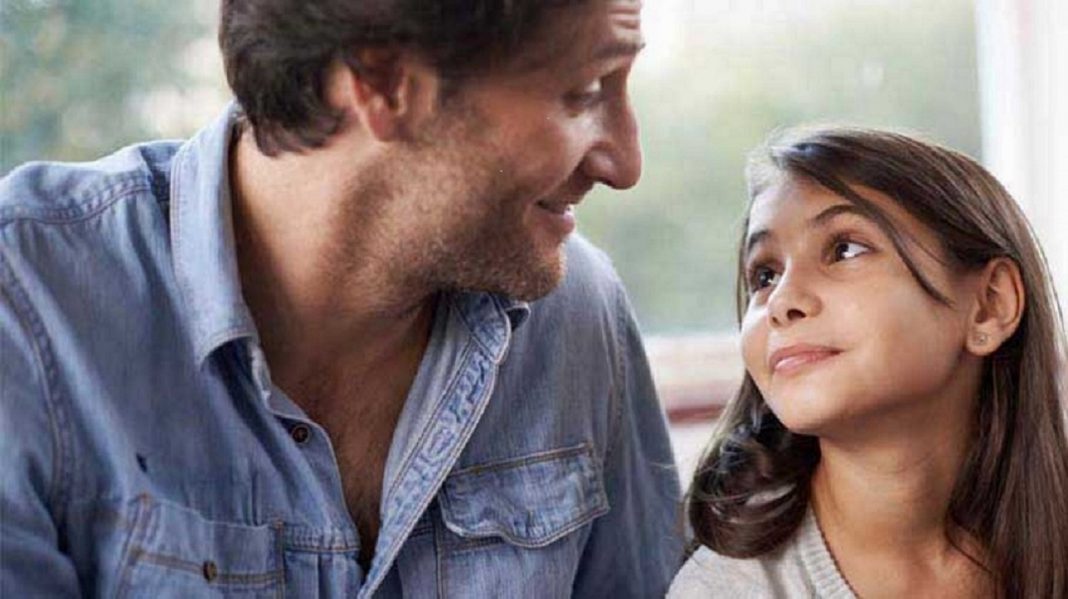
[998, 307]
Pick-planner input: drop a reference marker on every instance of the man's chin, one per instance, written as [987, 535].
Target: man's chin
[536, 281]
[531, 280]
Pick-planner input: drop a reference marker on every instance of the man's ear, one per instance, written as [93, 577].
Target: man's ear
[998, 306]
[384, 89]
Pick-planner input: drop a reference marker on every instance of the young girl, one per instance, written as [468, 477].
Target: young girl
[900, 431]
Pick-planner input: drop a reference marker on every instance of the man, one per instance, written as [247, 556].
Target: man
[328, 346]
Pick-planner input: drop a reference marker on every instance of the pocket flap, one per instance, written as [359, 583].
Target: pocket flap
[179, 538]
[529, 501]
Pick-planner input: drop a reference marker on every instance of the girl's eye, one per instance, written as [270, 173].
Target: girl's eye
[844, 250]
[762, 277]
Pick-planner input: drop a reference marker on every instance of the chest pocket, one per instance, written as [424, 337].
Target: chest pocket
[175, 552]
[515, 528]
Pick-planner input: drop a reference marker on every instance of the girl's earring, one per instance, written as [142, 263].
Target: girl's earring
[981, 338]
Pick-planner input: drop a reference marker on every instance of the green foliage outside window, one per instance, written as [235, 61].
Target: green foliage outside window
[76, 76]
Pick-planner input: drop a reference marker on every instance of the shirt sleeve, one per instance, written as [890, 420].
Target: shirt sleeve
[635, 549]
[31, 562]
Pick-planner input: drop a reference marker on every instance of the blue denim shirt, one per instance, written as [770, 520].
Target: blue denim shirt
[144, 450]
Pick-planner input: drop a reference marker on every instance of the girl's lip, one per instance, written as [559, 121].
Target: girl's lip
[792, 357]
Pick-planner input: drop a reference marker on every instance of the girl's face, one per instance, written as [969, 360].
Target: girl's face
[838, 335]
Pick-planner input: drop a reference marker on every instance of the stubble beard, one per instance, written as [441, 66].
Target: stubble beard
[488, 247]
[450, 218]
[480, 241]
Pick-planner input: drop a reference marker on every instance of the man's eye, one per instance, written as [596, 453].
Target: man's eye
[844, 250]
[587, 96]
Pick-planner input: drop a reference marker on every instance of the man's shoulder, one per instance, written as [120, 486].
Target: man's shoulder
[60, 192]
[77, 239]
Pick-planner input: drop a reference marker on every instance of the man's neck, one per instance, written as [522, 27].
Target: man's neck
[316, 311]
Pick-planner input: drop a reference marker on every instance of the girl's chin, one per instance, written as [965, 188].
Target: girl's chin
[815, 418]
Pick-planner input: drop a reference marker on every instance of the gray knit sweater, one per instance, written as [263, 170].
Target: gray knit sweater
[801, 567]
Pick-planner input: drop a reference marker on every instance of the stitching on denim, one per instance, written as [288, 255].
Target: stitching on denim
[223, 578]
[467, 545]
[94, 201]
[62, 469]
[423, 435]
[450, 388]
[489, 370]
[280, 555]
[480, 330]
[449, 393]
[580, 516]
[313, 548]
[302, 539]
[131, 548]
[497, 536]
[534, 458]
[135, 552]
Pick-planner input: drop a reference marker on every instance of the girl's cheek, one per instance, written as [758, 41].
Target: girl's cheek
[753, 337]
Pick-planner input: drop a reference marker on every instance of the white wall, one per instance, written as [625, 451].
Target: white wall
[1023, 70]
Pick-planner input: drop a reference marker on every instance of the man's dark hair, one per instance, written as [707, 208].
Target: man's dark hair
[277, 52]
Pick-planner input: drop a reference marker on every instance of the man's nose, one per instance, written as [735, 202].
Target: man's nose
[615, 158]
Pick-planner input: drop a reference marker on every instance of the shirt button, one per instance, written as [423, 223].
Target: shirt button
[210, 571]
[300, 433]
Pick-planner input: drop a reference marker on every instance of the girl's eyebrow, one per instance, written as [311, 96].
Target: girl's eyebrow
[820, 220]
[832, 212]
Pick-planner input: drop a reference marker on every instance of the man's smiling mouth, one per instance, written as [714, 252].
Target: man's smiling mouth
[557, 207]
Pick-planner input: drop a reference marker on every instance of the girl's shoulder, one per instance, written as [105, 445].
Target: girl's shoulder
[801, 567]
[709, 574]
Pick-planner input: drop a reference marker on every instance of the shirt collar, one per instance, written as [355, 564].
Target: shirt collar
[491, 319]
[202, 238]
[516, 311]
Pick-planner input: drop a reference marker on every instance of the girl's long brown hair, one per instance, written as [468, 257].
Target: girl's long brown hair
[752, 488]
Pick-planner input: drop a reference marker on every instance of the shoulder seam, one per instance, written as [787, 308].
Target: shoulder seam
[91, 203]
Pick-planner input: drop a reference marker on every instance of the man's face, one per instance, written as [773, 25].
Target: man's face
[498, 173]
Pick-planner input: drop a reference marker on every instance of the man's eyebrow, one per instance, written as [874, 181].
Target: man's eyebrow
[819, 220]
[617, 49]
